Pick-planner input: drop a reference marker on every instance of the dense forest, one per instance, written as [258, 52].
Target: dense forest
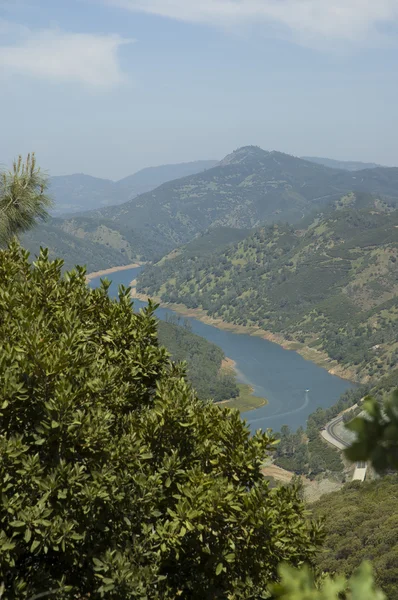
[203, 359]
[331, 285]
[361, 522]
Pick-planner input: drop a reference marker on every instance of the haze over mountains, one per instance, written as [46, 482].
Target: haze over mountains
[248, 188]
[79, 192]
[346, 165]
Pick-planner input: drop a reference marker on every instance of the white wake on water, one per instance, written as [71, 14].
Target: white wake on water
[285, 414]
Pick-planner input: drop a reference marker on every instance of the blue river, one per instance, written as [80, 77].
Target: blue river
[282, 376]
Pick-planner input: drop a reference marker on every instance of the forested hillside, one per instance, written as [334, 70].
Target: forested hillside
[118, 481]
[203, 359]
[79, 192]
[332, 284]
[73, 249]
[248, 188]
[361, 522]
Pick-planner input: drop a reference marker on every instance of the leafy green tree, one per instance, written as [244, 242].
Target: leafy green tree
[23, 198]
[377, 434]
[116, 481]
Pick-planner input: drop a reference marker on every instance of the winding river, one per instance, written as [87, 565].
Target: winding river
[282, 376]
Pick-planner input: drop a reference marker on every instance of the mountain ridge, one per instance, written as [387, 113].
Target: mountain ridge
[79, 192]
[248, 187]
[346, 165]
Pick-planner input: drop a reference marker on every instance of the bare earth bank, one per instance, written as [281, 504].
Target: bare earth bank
[319, 358]
[95, 274]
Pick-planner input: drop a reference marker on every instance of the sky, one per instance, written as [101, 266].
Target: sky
[107, 87]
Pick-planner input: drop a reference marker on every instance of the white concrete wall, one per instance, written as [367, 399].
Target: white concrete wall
[359, 473]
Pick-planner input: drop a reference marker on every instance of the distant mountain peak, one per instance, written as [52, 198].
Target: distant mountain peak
[243, 154]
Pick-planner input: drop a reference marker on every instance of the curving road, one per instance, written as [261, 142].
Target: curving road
[331, 429]
[330, 435]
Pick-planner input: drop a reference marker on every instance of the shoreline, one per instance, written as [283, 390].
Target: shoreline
[228, 364]
[111, 270]
[246, 401]
[316, 356]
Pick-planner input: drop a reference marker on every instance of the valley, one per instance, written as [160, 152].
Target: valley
[278, 375]
[199, 300]
[328, 289]
[275, 301]
[248, 188]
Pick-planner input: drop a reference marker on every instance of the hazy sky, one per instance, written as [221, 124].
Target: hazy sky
[107, 87]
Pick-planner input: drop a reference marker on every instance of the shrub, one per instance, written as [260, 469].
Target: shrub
[116, 481]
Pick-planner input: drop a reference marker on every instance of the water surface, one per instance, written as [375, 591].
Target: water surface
[282, 376]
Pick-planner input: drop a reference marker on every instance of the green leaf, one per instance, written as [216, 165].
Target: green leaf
[17, 524]
[98, 562]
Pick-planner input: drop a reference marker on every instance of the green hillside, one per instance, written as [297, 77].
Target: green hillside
[361, 522]
[74, 250]
[79, 192]
[203, 359]
[248, 188]
[331, 285]
[97, 248]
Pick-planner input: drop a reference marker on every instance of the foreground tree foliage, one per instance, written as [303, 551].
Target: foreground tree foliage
[377, 434]
[116, 480]
[23, 198]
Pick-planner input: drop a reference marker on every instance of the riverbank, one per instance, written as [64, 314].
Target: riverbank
[313, 490]
[246, 401]
[111, 270]
[321, 359]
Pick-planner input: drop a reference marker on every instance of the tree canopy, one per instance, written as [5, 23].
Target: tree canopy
[377, 434]
[115, 479]
[23, 198]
